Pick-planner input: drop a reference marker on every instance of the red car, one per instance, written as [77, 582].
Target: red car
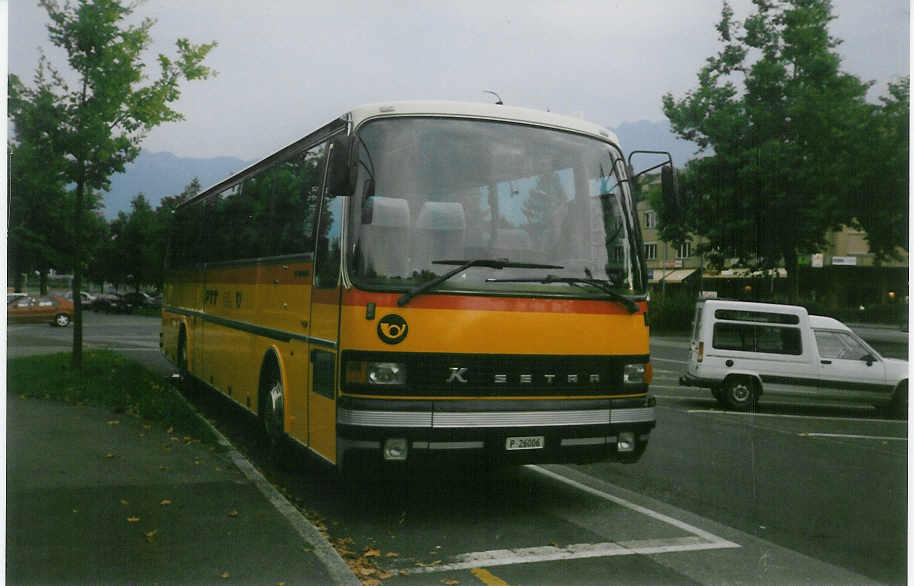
[50, 309]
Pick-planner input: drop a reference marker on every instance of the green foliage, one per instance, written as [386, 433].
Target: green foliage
[37, 180]
[108, 380]
[671, 311]
[100, 122]
[882, 170]
[888, 313]
[143, 250]
[783, 128]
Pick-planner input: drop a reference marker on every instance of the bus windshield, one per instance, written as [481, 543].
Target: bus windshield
[542, 211]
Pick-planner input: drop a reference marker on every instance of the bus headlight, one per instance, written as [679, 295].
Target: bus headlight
[637, 374]
[375, 373]
[386, 373]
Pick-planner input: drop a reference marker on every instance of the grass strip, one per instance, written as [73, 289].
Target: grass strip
[107, 380]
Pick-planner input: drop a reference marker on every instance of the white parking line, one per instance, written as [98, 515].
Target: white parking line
[853, 436]
[698, 540]
[822, 417]
[669, 360]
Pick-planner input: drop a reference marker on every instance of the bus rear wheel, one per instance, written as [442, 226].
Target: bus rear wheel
[272, 410]
[185, 382]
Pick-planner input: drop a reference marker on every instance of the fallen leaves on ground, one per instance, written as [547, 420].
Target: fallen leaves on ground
[133, 519]
[363, 566]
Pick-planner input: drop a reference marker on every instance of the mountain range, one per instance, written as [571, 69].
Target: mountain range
[157, 175]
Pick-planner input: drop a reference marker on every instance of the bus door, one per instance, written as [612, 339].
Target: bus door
[325, 325]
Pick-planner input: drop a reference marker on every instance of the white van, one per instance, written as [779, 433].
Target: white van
[742, 350]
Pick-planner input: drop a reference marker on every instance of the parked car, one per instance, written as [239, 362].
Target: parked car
[111, 303]
[137, 299]
[87, 298]
[10, 297]
[742, 350]
[45, 308]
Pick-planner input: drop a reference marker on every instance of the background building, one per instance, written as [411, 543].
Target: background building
[844, 275]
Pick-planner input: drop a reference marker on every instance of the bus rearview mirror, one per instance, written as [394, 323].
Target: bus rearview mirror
[670, 189]
[341, 174]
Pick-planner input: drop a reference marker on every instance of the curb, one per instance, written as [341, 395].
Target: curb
[334, 564]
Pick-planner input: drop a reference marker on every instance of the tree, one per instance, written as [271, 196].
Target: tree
[112, 107]
[141, 247]
[37, 180]
[882, 170]
[164, 223]
[782, 132]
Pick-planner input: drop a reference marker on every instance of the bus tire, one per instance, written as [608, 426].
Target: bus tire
[184, 380]
[271, 409]
[740, 393]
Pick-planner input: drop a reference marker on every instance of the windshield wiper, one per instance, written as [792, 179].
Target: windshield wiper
[604, 286]
[491, 263]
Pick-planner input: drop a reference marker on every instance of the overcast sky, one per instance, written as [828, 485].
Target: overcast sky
[287, 67]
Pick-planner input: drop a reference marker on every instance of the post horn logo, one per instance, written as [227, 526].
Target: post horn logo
[392, 329]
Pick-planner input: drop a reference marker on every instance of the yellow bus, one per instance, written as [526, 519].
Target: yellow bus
[424, 278]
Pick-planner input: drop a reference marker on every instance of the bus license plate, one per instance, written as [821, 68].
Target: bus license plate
[535, 442]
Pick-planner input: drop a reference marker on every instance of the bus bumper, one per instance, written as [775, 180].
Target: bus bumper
[506, 431]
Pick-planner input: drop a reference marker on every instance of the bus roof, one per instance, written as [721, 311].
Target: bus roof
[479, 110]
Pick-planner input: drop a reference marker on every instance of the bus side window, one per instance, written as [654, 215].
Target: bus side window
[184, 247]
[296, 198]
[252, 215]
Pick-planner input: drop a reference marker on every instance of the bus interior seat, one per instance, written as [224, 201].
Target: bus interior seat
[440, 232]
[385, 236]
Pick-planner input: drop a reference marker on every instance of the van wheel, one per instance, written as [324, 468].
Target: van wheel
[900, 402]
[740, 393]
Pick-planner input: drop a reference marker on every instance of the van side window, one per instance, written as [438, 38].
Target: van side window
[839, 346]
[757, 338]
